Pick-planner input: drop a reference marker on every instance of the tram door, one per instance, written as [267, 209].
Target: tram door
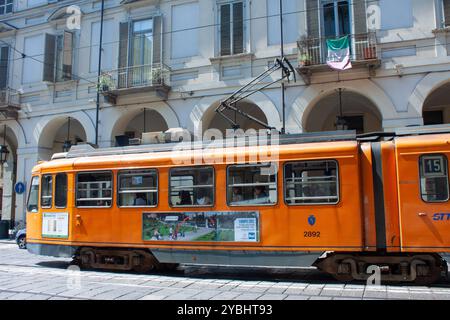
[424, 199]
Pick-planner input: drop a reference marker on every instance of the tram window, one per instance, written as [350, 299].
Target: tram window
[251, 185]
[46, 191]
[434, 178]
[138, 188]
[94, 189]
[311, 182]
[33, 196]
[61, 190]
[191, 187]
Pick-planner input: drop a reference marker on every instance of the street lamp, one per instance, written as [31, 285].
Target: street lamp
[341, 123]
[4, 149]
[67, 144]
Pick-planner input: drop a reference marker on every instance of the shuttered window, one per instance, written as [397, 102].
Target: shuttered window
[312, 18]
[49, 58]
[231, 28]
[446, 5]
[58, 57]
[4, 56]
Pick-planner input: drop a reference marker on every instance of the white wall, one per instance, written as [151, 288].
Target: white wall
[185, 43]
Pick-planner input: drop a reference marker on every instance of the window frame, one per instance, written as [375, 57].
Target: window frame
[219, 5]
[213, 200]
[141, 169]
[6, 5]
[94, 207]
[67, 190]
[38, 192]
[131, 35]
[41, 189]
[338, 182]
[421, 165]
[243, 165]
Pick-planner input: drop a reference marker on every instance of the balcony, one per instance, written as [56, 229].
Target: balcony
[313, 54]
[151, 80]
[9, 103]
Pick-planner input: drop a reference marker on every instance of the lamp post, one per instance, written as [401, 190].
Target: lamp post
[341, 123]
[67, 143]
[3, 150]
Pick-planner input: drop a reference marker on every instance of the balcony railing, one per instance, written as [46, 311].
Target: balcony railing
[155, 75]
[9, 103]
[9, 97]
[313, 51]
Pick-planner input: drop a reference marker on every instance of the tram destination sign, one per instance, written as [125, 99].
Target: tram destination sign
[215, 226]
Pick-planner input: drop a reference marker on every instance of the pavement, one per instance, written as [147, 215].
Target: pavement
[24, 276]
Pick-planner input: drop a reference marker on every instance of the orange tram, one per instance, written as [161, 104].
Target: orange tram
[337, 201]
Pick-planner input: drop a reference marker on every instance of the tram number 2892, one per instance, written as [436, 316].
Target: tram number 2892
[311, 234]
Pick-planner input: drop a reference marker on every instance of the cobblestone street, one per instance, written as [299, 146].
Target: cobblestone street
[24, 276]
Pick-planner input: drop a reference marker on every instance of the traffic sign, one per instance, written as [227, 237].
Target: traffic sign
[19, 187]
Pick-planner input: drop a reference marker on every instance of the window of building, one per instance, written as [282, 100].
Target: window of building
[185, 31]
[311, 182]
[33, 195]
[251, 185]
[434, 178]
[94, 189]
[6, 6]
[138, 188]
[231, 28]
[290, 22]
[61, 190]
[446, 9]
[32, 69]
[140, 52]
[393, 18]
[46, 191]
[4, 59]
[191, 187]
[58, 56]
[336, 18]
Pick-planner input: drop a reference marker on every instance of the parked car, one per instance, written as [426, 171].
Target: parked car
[21, 238]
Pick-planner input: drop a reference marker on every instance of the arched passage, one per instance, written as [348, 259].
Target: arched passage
[436, 107]
[213, 120]
[203, 114]
[308, 99]
[347, 110]
[133, 124]
[8, 175]
[58, 132]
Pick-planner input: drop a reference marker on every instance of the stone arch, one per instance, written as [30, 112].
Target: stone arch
[51, 126]
[120, 120]
[81, 117]
[306, 101]
[204, 106]
[61, 13]
[425, 88]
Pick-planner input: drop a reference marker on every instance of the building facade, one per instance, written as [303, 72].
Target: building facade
[168, 64]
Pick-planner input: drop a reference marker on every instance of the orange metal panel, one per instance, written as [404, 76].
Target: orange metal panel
[419, 231]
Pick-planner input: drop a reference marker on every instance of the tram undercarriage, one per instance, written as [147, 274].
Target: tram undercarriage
[421, 269]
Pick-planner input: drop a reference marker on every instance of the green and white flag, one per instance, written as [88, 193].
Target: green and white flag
[339, 54]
